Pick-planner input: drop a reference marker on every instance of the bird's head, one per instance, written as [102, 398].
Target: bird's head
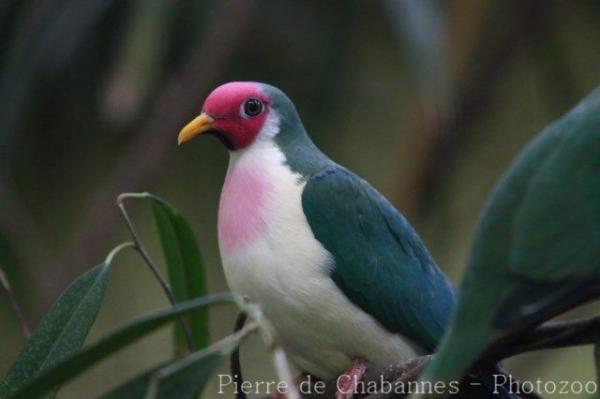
[239, 113]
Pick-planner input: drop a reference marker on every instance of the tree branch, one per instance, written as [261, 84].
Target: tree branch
[551, 335]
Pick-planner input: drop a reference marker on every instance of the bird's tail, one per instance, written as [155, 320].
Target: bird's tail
[456, 354]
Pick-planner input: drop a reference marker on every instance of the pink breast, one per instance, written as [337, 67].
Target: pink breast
[241, 211]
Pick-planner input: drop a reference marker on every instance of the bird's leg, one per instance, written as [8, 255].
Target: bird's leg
[348, 382]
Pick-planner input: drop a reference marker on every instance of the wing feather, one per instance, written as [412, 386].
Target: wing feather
[381, 263]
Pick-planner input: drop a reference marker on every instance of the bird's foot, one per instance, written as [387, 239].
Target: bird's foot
[348, 382]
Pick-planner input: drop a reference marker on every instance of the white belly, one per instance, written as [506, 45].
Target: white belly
[279, 265]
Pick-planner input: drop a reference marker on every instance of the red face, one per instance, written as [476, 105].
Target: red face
[239, 110]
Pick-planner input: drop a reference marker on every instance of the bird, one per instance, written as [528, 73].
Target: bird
[537, 247]
[342, 275]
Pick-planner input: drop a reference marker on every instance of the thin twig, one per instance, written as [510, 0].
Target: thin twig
[154, 269]
[144, 253]
[14, 304]
[234, 359]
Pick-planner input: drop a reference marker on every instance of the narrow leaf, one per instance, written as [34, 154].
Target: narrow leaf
[189, 376]
[185, 267]
[77, 363]
[62, 331]
[183, 378]
[135, 388]
[175, 270]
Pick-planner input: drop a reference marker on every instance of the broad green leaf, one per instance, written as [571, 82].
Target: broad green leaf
[184, 265]
[73, 365]
[183, 378]
[62, 331]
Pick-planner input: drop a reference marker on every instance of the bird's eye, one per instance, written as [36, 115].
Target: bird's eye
[253, 107]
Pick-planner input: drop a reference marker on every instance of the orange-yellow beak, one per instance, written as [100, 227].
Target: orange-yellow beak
[201, 124]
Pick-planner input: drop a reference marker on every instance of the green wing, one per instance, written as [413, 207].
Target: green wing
[380, 262]
[537, 248]
[556, 230]
[541, 228]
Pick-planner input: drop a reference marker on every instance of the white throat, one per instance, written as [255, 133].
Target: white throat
[259, 188]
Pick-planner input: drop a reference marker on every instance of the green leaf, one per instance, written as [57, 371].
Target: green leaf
[187, 378]
[135, 388]
[183, 378]
[184, 265]
[77, 363]
[62, 331]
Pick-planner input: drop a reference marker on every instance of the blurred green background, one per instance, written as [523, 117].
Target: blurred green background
[427, 100]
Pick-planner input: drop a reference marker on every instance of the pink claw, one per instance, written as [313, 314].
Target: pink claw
[348, 382]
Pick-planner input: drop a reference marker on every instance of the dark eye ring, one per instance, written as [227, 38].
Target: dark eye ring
[253, 107]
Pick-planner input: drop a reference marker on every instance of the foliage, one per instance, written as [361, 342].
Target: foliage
[86, 81]
[62, 332]
[181, 378]
[54, 354]
[184, 265]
